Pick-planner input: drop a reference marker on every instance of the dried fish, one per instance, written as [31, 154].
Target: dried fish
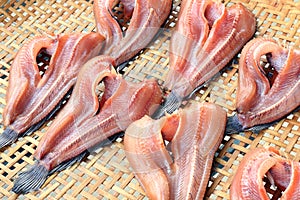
[183, 172]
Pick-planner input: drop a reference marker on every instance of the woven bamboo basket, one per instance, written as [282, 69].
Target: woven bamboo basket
[105, 173]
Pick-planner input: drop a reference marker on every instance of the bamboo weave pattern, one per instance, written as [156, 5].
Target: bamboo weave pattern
[106, 173]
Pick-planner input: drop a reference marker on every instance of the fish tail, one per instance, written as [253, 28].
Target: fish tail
[35, 177]
[8, 137]
[30, 180]
[172, 103]
[256, 129]
[233, 125]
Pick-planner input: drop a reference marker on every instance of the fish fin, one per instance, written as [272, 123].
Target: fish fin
[233, 125]
[194, 92]
[8, 137]
[38, 125]
[111, 139]
[30, 180]
[172, 103]
[64, 165]
[256, 129]
[80, 157]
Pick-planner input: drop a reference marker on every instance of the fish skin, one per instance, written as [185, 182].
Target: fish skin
[193, 147]
[184, 175]
[260, 100]
[281, 174]
[24, 77]
[207, 43]
[248, 184]
[286, 175]
[107, 26]
[128, 7]
[293, 190]
[35, 96]
[147, 18]
[80, 125]
[147, 155]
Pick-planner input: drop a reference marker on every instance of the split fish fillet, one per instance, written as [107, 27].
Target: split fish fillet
[206, 37]
[260, 100]
[31, 97]
[266, 96]
[147, 17]
[248, 184]
[85, 121]
[183, 173]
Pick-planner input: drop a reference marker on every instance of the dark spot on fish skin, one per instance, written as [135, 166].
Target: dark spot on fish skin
[191, 196]
[248, 170]
[287, 167]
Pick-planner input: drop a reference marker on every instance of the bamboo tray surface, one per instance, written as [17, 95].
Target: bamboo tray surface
[106, 174]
